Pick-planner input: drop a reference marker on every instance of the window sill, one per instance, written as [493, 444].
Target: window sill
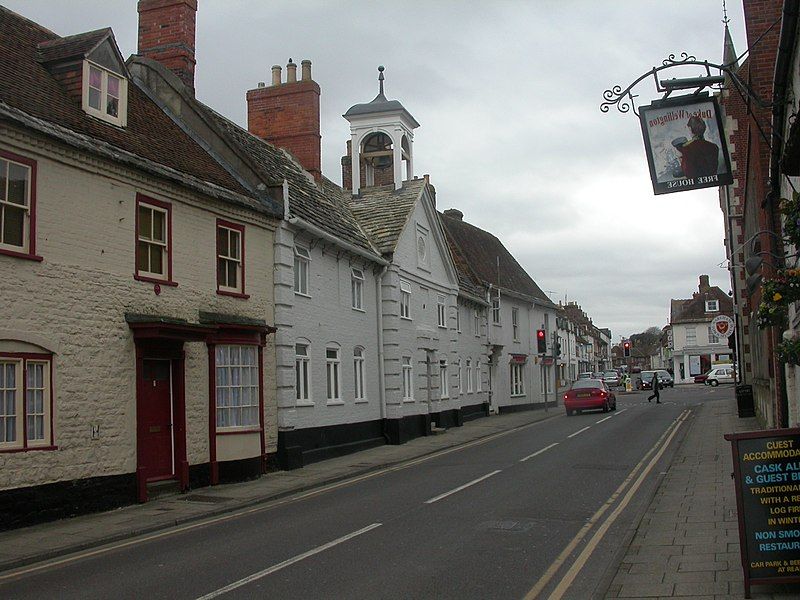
[28, 449]
[304, 403]
[362, 401]
[334, 403]
[147, 279]
[233, 294]
[296, 293]
[442, 326]
[406, 318]
[408, 400]
[231, 431]
[361, 310]
[517, 395]
[22, 255]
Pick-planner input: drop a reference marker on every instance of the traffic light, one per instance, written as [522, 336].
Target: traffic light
[541, 341]
[558, 349]
[626, 348]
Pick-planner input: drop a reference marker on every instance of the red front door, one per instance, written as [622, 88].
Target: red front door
[155, 420]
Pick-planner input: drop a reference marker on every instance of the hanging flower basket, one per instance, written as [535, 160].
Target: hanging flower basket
[782, 288]
[788, 351]
[770, 314]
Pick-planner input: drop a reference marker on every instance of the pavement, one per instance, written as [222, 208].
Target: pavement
[686, 544]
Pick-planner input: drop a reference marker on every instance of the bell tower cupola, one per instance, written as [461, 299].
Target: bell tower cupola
[381, 146]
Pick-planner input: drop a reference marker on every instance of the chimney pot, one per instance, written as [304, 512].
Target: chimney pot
[291, 72]
[276, 74]
[306, 70]
[261, 84]
[454, 213]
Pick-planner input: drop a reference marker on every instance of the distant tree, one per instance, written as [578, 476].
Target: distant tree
[647, 342]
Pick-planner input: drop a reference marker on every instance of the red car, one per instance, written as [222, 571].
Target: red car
[589, 394]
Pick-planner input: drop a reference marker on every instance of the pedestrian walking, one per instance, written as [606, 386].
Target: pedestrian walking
[655, 393]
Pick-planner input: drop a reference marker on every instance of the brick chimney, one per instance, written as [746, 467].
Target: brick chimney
[167, 34]
[704, 285]
[286, 114]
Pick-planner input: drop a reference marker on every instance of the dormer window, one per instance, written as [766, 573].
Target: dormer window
[712, 305]
[105, 94]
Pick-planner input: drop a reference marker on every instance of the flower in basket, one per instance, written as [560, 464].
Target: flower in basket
[788, 351]
[791, 225]
[783, 287]
[770, 314]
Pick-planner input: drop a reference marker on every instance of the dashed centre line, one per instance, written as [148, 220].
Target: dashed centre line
[538, 452]
[462, 487]
[572, 435]
[606, 419]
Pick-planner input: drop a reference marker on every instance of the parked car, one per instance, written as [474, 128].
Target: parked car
[589, 394]
[611, 378]
[719, 375]
[701, 378]
[585, 375]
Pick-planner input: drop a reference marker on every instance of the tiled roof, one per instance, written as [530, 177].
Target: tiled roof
[27, 86]
[72, 45]
[490, 260]
[693, 310]
[324, 206]
[383, 211]
[468, 281]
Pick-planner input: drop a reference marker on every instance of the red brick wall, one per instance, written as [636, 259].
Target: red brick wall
[167, 34]
[287, 115]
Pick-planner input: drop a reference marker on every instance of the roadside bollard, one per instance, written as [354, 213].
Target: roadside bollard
[628, 386]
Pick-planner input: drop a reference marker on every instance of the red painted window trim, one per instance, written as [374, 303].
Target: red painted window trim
[142, 199]
[31, 253]
[25, 357]
[240, 229]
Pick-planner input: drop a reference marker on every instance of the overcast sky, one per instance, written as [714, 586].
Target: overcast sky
[508, 96]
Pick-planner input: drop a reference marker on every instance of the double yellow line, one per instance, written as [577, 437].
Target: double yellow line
[632, 483]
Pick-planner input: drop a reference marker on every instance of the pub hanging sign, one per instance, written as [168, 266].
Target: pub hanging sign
[685, 144]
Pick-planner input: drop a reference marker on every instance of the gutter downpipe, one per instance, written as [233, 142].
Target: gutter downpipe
[381, 369]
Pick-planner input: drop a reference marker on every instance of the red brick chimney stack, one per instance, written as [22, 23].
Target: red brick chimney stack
[167, 34]
[286, 114]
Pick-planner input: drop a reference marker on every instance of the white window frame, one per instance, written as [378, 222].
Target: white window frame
[515, 323]
[359, 391]
[458, 318]
[713, 338]
[477, 374]
[241, 402]
[459, 381]
[444, 391]
[230, 261]
[712, 305]
[441, 310]
[357, 289]
[302, 374]
[470, 386]
[21, 397]
[152, 241]
[517, 374]
[333, 375]
[6, 205]
[121, 119]
[691, 340]
[302, 269]
[407, 379]
[496, 309]
[405, 300]
[476, 322]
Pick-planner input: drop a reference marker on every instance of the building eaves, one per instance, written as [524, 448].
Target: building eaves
[383, 211]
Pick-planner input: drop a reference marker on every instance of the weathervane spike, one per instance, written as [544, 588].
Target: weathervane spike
[380, 78]
[725, 18]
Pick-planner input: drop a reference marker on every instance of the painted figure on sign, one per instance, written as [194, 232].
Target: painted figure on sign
[699, 157]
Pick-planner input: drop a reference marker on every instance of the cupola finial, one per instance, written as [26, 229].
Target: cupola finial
[725, 18]
[380, 78]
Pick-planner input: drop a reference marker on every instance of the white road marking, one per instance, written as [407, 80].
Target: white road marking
[606, 419]
[462, 487]
[572, 435]
[619, 412]
[538, 452]
[658, 449]
[286, 563]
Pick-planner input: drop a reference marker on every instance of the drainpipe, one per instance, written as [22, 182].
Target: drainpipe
[381, 369]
